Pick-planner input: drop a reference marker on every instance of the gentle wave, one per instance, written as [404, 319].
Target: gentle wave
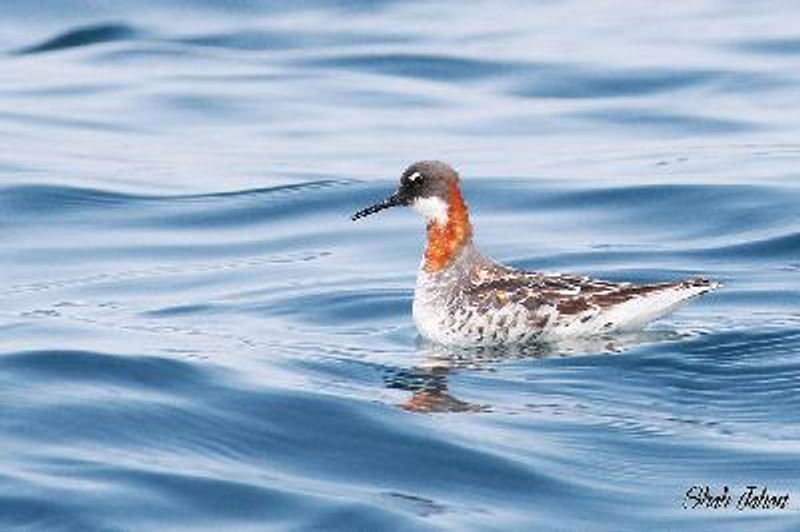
[83, 36]
[196, 335]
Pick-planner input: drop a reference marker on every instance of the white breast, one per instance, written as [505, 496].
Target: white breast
[442, 317]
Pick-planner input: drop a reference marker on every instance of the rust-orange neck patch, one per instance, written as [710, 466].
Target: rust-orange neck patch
[445, 241]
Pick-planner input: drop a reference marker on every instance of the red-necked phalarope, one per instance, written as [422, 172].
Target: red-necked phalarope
[464, 299]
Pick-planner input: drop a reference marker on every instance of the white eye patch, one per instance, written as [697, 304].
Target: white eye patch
[413, 177]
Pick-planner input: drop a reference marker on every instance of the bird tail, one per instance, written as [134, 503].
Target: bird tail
[636, 313]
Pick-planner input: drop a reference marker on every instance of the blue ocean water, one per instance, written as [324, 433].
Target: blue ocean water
[193, 335]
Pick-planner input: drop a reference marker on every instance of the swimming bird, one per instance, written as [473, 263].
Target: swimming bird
[462, 298]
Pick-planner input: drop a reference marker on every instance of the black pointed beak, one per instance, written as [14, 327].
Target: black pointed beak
[392, 201]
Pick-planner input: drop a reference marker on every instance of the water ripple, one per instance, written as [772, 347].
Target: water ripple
[661, 122]
[195, 335]
[775, 46]
[428, 66]
[83, 36]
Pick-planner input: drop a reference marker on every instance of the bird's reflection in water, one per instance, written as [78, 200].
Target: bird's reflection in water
[429, 390]
[428, 381]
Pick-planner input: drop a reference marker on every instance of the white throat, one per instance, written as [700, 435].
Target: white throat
[433, 209]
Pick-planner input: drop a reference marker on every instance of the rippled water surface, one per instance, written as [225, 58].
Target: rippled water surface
[193, 335]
